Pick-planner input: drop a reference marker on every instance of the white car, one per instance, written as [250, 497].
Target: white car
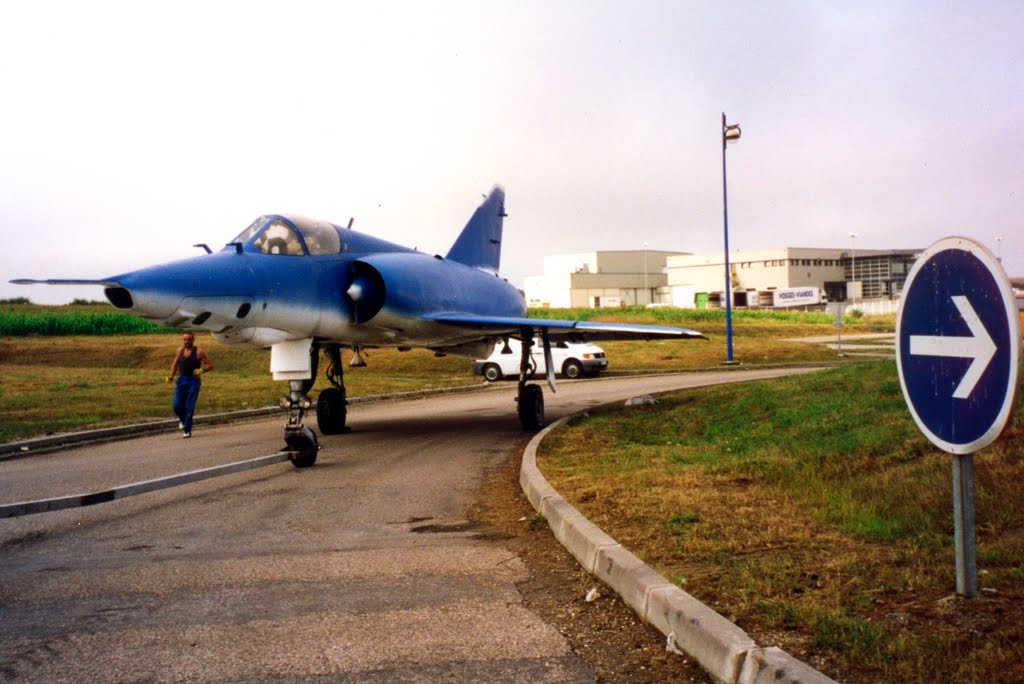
[571, 359]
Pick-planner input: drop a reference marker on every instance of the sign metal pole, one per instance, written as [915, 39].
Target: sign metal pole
[963, 522]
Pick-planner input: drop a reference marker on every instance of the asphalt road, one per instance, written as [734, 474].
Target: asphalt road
[362, 568]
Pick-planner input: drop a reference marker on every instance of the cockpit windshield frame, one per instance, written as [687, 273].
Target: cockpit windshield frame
[321, 237]
[291, 236]
[251, 231]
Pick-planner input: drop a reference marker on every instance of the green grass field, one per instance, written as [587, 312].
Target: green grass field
[20, 320]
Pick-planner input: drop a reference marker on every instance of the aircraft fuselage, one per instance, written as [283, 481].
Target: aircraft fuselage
[372, 293]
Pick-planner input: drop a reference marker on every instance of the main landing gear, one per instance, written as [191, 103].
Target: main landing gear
[331, 411]
[530, 397]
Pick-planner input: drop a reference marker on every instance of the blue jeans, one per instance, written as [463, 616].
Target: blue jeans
[186, 392]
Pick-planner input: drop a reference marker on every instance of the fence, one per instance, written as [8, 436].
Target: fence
[875, 306]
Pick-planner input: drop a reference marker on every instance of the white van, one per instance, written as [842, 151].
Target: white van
[571, 359]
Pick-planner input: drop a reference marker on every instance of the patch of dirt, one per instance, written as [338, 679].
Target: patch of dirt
[605, 633]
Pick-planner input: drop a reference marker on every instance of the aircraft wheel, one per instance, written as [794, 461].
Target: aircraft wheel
[572, 369]
[303, 443]
[331, 411]
[492, 372]
[531, 407]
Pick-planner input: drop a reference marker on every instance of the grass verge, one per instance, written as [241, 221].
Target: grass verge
[19, 320]
[812, 512]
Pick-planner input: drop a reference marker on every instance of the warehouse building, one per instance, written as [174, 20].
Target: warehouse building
[593, 279]
[782, 276]
[758, 276]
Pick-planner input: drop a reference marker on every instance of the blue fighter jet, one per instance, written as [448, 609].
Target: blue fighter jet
[302, 287]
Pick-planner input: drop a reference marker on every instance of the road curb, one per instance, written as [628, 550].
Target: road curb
[42, 445]
[724, 650]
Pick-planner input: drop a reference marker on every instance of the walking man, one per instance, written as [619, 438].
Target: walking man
[190, 362]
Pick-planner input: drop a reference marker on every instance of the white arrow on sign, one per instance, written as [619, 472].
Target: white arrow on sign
[979, 346]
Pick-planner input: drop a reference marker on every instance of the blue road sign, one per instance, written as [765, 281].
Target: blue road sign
[958, 342]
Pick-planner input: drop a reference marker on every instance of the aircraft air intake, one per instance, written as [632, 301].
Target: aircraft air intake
[366, 293]
[119, 297]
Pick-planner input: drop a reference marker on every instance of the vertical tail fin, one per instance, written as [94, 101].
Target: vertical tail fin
[479, 243]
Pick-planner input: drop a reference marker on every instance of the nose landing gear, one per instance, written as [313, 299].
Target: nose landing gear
[331, 411]
[300, 440]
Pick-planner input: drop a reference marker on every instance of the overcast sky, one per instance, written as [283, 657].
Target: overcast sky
[130, 131]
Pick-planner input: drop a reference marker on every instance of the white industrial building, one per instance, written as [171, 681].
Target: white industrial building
[759, 278]
[698, 280]
[593, 279]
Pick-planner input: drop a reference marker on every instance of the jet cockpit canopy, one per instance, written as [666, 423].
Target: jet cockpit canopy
[290, 236]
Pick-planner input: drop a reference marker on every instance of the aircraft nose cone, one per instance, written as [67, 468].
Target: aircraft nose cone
[355, 291]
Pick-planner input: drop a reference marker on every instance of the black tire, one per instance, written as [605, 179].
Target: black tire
[303, 444]
[572, 369]
[492, 372]
[531, 407]
[331, 411]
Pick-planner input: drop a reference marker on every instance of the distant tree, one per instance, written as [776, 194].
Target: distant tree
[85, 302]
[15, 300]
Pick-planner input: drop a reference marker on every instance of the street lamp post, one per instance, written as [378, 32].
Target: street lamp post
[646, 291]
[853, 263]
[729, 134]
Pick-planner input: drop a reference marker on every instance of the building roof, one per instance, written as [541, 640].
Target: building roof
[714, 258]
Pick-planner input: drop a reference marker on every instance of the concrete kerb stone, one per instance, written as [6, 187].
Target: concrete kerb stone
[535, 486]
[724, 650]
[585, 541]
[630, 577]
[775, 666]
[558, 513]
[717, 644]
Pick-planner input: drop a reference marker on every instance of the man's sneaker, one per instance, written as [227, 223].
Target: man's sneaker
[186, 435]
[180, 425]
